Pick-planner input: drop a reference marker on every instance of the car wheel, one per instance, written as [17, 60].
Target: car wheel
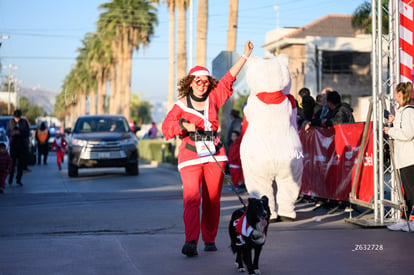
[72, 170]
[132, 169]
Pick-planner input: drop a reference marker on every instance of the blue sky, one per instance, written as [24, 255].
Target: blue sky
[44, 36]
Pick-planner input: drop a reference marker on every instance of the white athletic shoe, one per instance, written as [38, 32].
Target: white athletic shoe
[397, 226]
[408, 227]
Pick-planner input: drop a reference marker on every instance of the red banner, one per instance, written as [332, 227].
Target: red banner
[330, 162]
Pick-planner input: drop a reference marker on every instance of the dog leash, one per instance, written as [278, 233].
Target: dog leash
[224, 174]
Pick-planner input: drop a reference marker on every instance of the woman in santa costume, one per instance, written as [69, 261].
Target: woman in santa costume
[194, 118]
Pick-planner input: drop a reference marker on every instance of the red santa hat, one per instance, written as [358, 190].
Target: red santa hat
[199, 70]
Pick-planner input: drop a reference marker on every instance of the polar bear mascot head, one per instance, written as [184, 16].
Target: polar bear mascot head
[274, 74]
[271, 150]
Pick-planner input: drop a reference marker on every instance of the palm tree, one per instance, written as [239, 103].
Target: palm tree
[129, 24]
[232, 32]
[361, 18]
[182, 6]
[202, 23]
[171, 51]
[100, 61]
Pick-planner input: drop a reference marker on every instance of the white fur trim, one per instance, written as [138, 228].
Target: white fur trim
[200, 161]
[201, 72]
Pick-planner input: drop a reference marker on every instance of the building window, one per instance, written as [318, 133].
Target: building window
[345, 62]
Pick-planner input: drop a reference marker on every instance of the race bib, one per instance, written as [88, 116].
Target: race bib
[205, 148]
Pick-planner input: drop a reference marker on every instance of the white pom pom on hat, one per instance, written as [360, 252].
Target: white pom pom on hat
[199, 70]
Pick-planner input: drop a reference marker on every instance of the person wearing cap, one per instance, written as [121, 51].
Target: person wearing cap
[18, 131]
[194, 118]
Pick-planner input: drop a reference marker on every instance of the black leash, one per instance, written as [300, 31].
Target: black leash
[224, 174]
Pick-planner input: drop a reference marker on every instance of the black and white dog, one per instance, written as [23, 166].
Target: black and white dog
[248, 229]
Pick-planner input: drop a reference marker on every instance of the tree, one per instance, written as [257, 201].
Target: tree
[182, 6]
[30, 111]
[128, 24]
[361, 18]
[140, 110]
[232, 31]
[202, 23]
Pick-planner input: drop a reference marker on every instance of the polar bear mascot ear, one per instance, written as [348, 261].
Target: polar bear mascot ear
[268, 74]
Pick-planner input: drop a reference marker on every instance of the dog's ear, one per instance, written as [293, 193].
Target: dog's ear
[265, 199]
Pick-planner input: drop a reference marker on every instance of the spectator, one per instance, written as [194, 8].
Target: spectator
[5, 166]
[302, 92]
[402, 132]
[59, 144]
[338, 113]
[308, 110]
[236, 171]
[323, 112]
[18, 130]
[42, 141]
[152, 132]
[235, 125]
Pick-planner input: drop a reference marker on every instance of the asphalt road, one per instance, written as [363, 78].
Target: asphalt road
[106, 222]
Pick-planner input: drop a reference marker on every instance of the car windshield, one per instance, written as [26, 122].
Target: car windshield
[99, 124]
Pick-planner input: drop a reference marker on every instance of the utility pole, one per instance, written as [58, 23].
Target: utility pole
[9, 78]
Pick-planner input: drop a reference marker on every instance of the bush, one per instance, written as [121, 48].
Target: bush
[157, 150]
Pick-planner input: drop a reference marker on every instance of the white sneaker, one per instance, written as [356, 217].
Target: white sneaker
[408, 227]
[397, 226]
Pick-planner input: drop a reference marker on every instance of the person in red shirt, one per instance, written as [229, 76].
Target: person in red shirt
[194, 118]
[59, 144]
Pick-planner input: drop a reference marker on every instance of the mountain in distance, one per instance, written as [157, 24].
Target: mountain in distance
[41, 97]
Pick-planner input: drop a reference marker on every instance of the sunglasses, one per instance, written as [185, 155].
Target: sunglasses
[200, 82]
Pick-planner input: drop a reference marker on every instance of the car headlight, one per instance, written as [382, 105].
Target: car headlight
[79, 142]
[131, 140]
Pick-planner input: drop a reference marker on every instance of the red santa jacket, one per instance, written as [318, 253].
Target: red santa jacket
[207, 122]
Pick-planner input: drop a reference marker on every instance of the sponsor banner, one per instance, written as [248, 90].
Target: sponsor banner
[330, 162]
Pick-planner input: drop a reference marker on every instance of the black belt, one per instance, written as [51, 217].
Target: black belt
[193, 148]
[203, 134]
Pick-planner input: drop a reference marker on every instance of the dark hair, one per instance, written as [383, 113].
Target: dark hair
[184, 85]
[304, 91]
[235, 113]
[319, 98]
[42, 126]
[2, 145]
[17, 113]
[333, 97]
[235, 132]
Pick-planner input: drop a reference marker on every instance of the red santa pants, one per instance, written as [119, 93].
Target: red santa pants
[236, 174]
[209, 177]
[60, 154]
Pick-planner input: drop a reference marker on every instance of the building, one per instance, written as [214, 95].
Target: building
[326, 53]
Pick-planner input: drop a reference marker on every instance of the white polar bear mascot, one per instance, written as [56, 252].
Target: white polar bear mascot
[271, 150]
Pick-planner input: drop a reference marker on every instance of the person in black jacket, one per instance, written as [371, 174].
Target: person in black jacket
[339, 113]
[18, 130]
